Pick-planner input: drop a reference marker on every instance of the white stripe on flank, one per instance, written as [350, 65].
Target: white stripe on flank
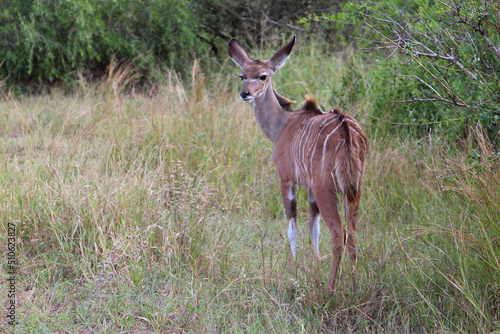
[324, 146]
[300, 136]
[358, 134]
[305, 145]
[299, 160]
[294, 156]
[318, 134]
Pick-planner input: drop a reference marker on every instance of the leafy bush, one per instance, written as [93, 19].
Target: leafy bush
[440, 61]
[45, 41]
[352, 88]
[48, 41]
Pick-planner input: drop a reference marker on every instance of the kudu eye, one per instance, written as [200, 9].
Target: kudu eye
[263, 77]
[241, 77]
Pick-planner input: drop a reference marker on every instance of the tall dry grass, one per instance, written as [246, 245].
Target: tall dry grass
[160, 212]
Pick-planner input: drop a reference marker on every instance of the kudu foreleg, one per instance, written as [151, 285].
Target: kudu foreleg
[290, 203]
[314, 227]
[314, 231]
[352, 210]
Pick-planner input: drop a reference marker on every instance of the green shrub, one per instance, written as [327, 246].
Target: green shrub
[46, 41]
[352, 88]
[438, 62]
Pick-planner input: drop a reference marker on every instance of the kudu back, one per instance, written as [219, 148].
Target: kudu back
[323, 152]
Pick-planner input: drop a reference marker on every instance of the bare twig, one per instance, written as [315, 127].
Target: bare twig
[496, 50]
[430, 100]
[414, 124]
[449, 58]
[422, 81]
[490, 43]
[415, 58]
[268, 19]
[434, 45]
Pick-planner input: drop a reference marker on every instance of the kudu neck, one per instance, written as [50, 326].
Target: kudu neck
[270, 114]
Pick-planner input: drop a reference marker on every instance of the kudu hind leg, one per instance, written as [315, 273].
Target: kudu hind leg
[352, 210]
[328, 206]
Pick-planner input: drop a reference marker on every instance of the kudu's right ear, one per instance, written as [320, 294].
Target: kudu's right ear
[280, 57]
[237, 52]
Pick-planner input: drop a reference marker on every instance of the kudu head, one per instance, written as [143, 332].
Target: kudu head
[256, 74]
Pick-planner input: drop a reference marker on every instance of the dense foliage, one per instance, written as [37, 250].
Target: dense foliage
[141, 214]
[46, 41]
[437, 70]
[159, 210]
[439, 62]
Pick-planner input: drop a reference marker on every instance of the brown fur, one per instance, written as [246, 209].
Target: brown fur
[324, 152]
[327, 147]
[312, 106]
[349, 161]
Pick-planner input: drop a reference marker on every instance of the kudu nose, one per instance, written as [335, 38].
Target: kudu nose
[244, 95]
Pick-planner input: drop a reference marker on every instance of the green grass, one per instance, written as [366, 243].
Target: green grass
[161, 213]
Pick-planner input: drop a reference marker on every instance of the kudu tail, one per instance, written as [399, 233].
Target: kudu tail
[349, 161]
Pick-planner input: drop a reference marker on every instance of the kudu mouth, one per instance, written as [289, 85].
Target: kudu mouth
[246, 97]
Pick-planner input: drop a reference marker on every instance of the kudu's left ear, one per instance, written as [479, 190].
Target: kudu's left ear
[280, 57]
[237, 52]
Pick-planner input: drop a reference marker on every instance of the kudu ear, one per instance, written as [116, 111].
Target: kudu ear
[237, 52]
[280, 57]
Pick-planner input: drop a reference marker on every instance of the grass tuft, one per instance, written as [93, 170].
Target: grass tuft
[160, 212]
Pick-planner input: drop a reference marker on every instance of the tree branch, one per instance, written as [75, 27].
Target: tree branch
[414, 124]
[268, 19]
[430, 100]
[425, 83]
[449, 58]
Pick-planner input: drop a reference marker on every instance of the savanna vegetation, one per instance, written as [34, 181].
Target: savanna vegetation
[143, 194]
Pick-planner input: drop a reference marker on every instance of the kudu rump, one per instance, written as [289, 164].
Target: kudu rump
[324, 152]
